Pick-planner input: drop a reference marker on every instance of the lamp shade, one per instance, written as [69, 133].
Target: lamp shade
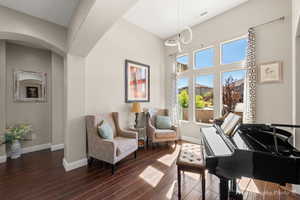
[136, 107]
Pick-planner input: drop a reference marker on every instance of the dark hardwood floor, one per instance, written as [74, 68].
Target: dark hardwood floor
[152, 175]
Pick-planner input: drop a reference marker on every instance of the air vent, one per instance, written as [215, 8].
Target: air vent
[203, 14]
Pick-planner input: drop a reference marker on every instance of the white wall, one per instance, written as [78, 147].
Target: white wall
[296, 72]
[91, 21]
[75, 142]
[57, 108]
[274, 102]
[78, 17]
[296, 63]
[38, 114]
[2, 96]
[105, 68]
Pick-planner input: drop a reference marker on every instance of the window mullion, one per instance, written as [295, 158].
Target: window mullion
[217, 82]
[191, 87]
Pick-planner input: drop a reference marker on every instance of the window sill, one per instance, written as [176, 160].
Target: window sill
[184, 121]
[203, 124]
[195, 123]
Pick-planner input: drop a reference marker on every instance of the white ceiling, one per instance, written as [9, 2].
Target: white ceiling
[160, 16]
[56, 11]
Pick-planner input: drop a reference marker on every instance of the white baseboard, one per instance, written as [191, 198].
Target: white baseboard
[57, 147]
[74, 165]
[3, 159]
[191, 139]
[36, 148]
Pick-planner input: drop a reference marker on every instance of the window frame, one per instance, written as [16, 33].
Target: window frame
[188, 67]
[221, 86]
[188, 89]
[216, 70]
[221, 51]
[194, 97]
[202, 49]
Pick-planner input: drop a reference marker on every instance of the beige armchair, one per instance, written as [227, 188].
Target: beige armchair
[110, 151]
[160, 135]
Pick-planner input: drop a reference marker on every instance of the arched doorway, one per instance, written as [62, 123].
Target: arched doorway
[14, 49]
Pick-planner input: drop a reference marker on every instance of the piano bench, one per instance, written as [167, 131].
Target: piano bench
[190, 159]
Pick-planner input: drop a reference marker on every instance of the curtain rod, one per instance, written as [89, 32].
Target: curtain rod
[269, 22]
[253, 27]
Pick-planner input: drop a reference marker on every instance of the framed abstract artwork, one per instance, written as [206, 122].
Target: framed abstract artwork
[137, 82]
[270, 72]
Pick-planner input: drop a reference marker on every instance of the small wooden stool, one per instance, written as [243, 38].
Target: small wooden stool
[190, 159]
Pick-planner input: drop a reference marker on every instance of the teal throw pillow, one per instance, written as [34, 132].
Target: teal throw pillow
[105, 131]
[163, 122]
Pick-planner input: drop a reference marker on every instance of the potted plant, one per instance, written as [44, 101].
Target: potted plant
[13, 135]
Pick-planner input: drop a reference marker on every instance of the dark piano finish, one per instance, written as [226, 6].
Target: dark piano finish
[251, 152]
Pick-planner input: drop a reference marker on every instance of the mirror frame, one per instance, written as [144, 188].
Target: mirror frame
[17, 96]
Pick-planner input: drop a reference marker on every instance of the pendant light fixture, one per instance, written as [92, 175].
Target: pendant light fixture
[180, 39]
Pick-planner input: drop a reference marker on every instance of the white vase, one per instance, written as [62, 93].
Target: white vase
[16, 150]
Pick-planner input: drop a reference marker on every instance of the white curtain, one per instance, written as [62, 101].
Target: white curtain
[251, 79]
[174, 112]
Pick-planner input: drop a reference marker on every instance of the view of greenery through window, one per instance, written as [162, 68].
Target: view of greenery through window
[183, 98]
[232, 82]
[204, 98]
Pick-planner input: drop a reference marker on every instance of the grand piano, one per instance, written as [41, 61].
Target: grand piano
[258, 151]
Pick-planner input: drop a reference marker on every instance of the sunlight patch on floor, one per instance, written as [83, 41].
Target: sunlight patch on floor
[169, 159]
[247, 184]
[171, 190]
[152, 176]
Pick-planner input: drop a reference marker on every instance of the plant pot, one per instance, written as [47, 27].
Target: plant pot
[16, 150]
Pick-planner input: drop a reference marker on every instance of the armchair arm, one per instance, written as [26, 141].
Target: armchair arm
[128, 134]
[104, 148]
[176, 129]
[151, 129]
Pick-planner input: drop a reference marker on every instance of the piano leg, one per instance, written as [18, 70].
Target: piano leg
[233, 185]
[233, 194]
[223, 189]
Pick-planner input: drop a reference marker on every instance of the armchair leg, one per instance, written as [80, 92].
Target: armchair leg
[112, 169]
[135, 154]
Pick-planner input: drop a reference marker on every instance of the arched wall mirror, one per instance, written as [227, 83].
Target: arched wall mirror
[30, 86]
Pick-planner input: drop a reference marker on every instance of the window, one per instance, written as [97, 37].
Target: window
[234, 51]
[183, 98]
[204, 58]
[204, 111]
[218, 84]
[233, 91]
[182, 64]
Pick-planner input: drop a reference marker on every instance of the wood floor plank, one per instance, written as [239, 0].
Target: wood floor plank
[153, 175]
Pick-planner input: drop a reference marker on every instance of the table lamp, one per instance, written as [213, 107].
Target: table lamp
[136, 108]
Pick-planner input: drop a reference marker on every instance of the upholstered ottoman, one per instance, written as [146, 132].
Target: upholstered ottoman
[190, 159]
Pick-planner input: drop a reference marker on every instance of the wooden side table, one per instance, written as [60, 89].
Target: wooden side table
[142, 137]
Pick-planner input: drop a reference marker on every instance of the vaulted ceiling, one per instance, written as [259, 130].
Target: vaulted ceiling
[161, 16]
